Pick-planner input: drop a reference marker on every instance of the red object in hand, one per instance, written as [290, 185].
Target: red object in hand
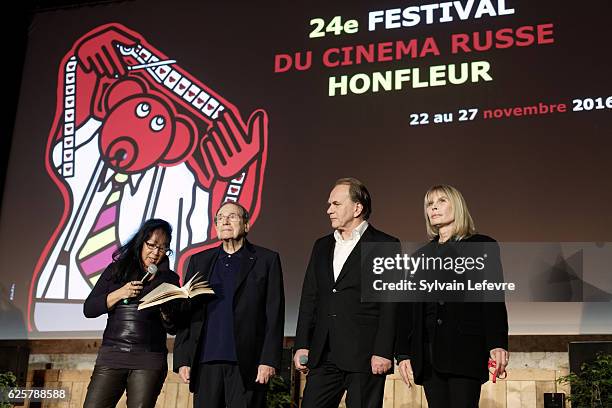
[495, 373]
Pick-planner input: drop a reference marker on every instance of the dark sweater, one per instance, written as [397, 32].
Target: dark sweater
[218, 332]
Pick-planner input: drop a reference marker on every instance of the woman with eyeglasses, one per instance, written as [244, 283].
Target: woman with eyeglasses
[452, 347]
[133, 354]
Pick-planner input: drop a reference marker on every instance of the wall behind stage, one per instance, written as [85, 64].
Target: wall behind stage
[426, 103]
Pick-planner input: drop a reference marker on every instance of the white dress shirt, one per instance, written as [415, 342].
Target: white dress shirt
[344, 247]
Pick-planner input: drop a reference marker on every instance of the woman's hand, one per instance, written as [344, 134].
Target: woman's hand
[129, 290]
[501, 358]
[405, 369]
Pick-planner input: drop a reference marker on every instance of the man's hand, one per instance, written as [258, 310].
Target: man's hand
[296, 360]
[264, 373]
[501, 357]
[230, 144]
[405, 369]
[381, 365]
[184, 373]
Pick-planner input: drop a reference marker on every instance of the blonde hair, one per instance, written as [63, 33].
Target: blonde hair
[464, 224]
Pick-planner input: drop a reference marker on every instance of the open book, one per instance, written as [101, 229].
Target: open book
[167, 291]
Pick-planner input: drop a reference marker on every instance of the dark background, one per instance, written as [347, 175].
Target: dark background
[540, 178]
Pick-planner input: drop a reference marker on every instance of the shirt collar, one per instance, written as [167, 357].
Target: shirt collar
[355, 234]
[237, 254]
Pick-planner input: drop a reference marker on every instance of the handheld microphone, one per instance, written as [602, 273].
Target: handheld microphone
[303, 359]
[151, 271]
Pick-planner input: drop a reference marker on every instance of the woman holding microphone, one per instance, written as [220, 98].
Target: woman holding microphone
[133, 354]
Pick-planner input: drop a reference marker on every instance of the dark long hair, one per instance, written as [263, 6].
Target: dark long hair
[127, 258]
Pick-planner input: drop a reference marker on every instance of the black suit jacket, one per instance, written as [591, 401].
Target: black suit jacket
[332, 310]
[259, 314]
[464, 332]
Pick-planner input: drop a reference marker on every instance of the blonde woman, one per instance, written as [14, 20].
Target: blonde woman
[446, 346]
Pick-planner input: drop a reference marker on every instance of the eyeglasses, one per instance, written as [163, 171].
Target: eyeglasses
[162, 249]
[233, 217]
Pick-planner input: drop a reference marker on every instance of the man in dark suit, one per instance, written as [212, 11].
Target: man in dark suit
[348, 344]
[230, 344]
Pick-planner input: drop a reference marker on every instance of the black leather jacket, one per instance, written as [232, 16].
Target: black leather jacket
[130, 329]
[127, 328]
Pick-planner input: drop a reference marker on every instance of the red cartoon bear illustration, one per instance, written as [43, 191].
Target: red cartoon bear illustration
[135, 136]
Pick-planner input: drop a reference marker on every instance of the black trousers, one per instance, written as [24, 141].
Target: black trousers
[108, 384]
[446, 390]
[220, 385]
[326, 384]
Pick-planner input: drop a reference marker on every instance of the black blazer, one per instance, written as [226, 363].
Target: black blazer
[464, 332]
[259, 314]
[332, 310]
